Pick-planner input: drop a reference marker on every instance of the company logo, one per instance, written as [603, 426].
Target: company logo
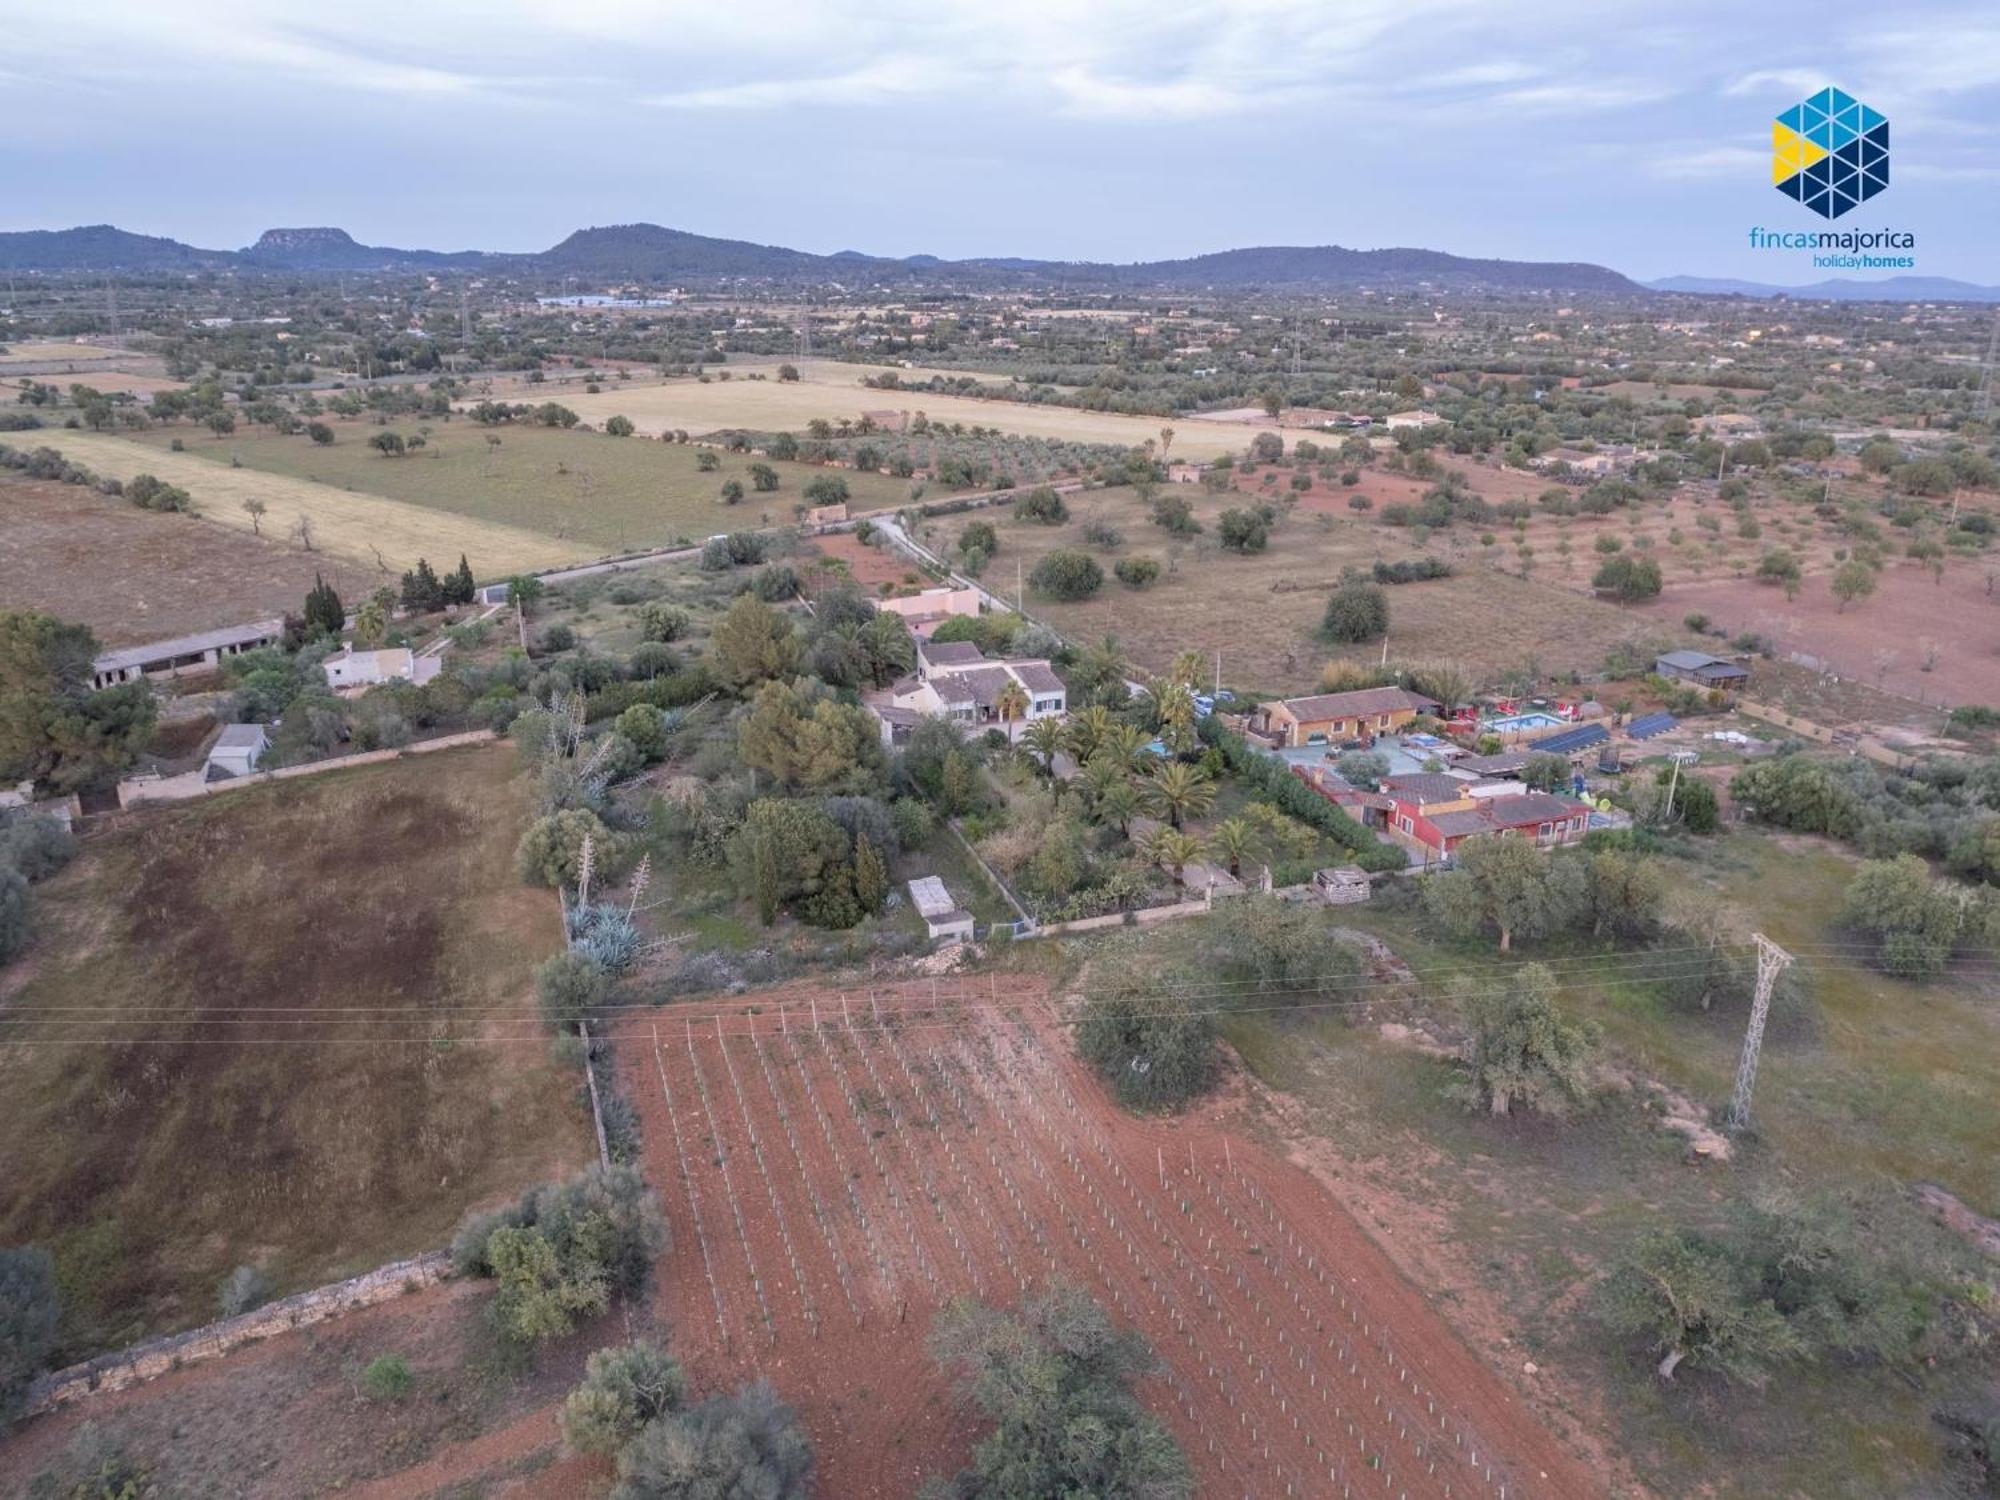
[1830, 152]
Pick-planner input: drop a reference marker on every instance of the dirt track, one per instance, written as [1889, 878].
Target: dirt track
[838, 1166]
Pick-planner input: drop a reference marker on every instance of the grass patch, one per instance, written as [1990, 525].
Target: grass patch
[594, 494]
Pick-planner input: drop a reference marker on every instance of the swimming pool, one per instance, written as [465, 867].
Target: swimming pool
[1519, 723]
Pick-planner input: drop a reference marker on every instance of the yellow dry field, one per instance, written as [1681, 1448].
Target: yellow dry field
[768, 406]
[362, 528]
[50, 351]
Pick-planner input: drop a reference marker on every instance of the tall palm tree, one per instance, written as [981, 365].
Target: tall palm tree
[1176, 705]
[1118, 804]
[1234, 840]
[1173, 849]
[1087, 729]
[1043, 738]
[1011, 702]
[1124, 746]
[1180, 791]
[1102, 663]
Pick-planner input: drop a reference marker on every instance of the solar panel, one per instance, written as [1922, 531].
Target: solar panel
[1569, 741]
[1651, 725]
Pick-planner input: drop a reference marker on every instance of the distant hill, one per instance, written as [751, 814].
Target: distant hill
[652, 253]
[336, 250]
[99, 247]
[1889, 289]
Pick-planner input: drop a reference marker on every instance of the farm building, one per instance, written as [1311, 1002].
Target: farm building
[1702, 669]
[363, 669]
[826, 515]
[237, 750]
[957, 680]
[942, 916]
[1331, 717]
[187, 653]
[924, 612]
[1420, 418]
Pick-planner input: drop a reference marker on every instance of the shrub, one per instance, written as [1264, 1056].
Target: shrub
[1136, 572]
[1067, 574]
[1148, 1047]
[746, 1445]
[569, 986]
[624, 1387]
[564, 1250]
[1042, 505]
[1242, 530]
[243, 1290]
[1356, 611]
[28, 1313]
[387, 1377]
[1412, 570]
[16, 913]
[551, 851]
[35, 844]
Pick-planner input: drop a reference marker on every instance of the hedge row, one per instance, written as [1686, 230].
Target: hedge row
[1271, 780]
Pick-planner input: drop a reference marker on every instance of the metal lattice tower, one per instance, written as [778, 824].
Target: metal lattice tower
[1771, 962]
[1983, 401]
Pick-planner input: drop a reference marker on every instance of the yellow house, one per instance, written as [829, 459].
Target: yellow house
[1331, 717]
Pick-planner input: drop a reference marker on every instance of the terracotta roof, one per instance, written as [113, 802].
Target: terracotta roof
[1360, 702]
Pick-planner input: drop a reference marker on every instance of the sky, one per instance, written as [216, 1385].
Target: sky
[1633, 133]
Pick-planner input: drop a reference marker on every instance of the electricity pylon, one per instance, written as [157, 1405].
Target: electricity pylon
[1771, 962]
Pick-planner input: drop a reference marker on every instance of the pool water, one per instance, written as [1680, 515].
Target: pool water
[1516, 722]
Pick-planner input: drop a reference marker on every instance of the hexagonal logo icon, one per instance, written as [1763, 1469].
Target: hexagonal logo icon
[1830, 152]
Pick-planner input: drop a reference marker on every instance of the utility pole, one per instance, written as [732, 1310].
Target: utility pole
[1983, 402]
[111, 304]
[1771, 962]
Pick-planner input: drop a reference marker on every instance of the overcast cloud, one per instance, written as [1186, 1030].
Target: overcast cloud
[1633, 134]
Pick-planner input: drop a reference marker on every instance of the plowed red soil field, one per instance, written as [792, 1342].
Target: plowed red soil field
[839, 1165]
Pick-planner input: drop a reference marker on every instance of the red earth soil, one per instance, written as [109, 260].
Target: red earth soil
[837, 1166]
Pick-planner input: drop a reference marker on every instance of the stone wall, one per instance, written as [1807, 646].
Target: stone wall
[156, 1357]
[143, 789]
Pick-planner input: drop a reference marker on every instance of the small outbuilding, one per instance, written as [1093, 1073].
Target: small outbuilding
[1702, 669]
[942, 916]
[237, 750]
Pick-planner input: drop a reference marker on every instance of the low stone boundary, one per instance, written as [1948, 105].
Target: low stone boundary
[141, 790]
[157, 1357]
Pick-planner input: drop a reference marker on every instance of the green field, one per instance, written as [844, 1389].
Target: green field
[159, 1133]
[602, 494]
[1873, 1081]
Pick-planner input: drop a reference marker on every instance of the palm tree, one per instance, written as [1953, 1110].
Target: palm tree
[1124, 746]
[1043, 738]
[1232, 841]
[1176, 707]
[1011, 702]
[1180, 791]
[1087, 729]
[1101, 664]
[1118, 804]
[1174, 850]
[1187, 669]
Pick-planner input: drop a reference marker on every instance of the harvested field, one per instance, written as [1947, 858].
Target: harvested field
[766, 405]
[135, 575]
[57, 352]
[291, 1027]
[365, 528]
[837, 1166]
[1884, 640]
[1261, 610]
[586, 491]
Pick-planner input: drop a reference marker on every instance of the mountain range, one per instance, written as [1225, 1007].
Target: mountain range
[1888, 289]
[649, 253]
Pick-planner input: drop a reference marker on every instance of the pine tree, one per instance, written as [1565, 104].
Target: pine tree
[324, 613]
[871, 878]
[459, 588]
[422, 591]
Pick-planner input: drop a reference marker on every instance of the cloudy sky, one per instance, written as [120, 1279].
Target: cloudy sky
[1634, 133]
